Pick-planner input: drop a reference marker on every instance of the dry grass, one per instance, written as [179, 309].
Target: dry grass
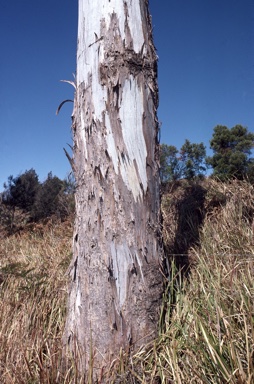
[32, 303]
[209, 328]
[207, 332]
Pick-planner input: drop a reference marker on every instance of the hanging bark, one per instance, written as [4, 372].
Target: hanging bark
[116, 283]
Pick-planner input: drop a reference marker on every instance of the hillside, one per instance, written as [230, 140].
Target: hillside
[207, 316]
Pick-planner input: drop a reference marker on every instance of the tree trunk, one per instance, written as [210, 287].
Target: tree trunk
[116, 283]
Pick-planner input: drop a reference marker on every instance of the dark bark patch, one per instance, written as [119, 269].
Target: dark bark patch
[75, 269]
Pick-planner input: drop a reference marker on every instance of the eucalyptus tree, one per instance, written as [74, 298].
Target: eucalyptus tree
[116, 282]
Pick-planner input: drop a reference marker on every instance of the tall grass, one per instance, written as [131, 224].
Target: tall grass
[32, 303]
[207, 317]
[209, 327]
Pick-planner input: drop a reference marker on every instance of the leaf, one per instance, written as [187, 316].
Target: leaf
[62, 103]
[69, 82]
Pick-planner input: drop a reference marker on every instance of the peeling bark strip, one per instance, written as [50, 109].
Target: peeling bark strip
[116, 285]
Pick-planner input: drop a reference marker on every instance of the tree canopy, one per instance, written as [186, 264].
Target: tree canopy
[40, 200]
[193, 158]
[170, 163]
[47, 198]
[232, 153]
[187, 163]
[21, 191]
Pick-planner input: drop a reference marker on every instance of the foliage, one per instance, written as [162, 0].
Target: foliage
[21, 191]
[170, 163]
[25, 199]
[232, 153]
[49, 198]
[193, 158]
[206, 329]
[188, 163]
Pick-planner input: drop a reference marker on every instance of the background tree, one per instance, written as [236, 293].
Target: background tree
[187, 163]
[47, 201]
[193, 158]
[250, 171]
[35, 200]
[116, 283]
[21, 191]
[232, 152]
[171, 167]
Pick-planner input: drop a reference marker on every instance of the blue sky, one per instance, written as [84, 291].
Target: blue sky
[206, 75]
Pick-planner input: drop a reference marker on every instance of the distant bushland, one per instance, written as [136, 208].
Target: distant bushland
[232, 157]
[25, 199]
